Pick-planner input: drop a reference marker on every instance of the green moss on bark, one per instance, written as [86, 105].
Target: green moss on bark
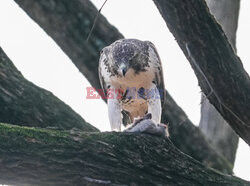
[31, 156]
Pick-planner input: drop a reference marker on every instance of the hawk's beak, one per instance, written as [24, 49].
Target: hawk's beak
[123, 69]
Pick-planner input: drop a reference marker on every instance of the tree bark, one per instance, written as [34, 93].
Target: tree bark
[220, 72]
[65, 26]
[23, 103]
[212, 124]
[189, 139]
[47, 157]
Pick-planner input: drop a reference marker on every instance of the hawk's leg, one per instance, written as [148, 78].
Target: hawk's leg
[154, 104]
[114, 112]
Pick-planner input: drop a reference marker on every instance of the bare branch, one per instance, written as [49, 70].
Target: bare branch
[192, 25]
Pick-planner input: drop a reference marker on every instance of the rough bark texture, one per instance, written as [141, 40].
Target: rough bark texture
[221, 75]
[215, 128]
[189, 138]
[23, 103]
[65, 26]
[47, 157]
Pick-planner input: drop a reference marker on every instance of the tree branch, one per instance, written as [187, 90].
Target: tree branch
[222, 137]
[23, 103]
[69, 24]
[44, 157]
[65, 26]
[220, 72]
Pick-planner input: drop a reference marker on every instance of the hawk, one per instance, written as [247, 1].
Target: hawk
[131, 70]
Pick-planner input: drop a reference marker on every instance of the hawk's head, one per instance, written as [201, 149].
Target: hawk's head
[126, 54]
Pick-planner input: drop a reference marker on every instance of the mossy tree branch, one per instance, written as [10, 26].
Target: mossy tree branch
[220, 72]
[31, 156]
[69, 23]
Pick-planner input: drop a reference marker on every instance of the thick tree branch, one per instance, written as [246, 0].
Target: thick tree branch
[220, 72]
[45, 157]
[212, 124]
[23, 103]
[69, 24]
[65, 26]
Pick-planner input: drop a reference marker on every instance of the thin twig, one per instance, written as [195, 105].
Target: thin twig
[95, 21]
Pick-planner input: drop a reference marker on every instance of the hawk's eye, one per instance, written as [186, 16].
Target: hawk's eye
[104, 51]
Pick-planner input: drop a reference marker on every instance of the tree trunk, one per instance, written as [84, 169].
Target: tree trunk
[70, 26]
[212, 124]
[47, 157]
[220, 72]
[23, 103]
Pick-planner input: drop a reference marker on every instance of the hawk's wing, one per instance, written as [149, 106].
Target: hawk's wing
[126, 117]
[159, 78]
[101, 76]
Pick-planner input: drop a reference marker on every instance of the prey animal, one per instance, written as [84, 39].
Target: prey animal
[131, 70]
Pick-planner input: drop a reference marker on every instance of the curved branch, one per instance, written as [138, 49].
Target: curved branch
[220, 72]
[212, 124]
[23, 103]
[69, 24]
